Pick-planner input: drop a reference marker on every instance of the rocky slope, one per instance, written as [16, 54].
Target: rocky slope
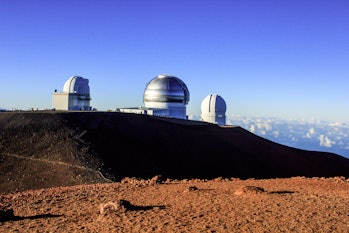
[49, 149]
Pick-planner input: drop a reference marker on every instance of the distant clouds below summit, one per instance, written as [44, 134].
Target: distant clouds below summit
[304, 134]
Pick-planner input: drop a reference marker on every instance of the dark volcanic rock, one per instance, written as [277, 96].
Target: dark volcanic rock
[40, 150]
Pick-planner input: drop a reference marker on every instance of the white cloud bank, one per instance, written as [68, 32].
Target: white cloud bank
[325, 141]
[310, 132]
[304, 134]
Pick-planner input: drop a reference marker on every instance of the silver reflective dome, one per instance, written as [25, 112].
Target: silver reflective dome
[166, 88]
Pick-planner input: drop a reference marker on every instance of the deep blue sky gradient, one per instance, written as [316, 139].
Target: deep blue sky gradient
[265, 58]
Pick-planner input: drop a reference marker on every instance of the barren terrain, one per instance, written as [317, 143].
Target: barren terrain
[220, 205]
[67, 172]
[50, 149]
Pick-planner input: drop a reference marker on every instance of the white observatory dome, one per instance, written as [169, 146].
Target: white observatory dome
[213, 109]
[213, 104]
[167, 92]
[77, 85]
[75, 95]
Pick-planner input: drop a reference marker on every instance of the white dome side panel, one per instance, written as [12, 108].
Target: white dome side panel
[213, 109]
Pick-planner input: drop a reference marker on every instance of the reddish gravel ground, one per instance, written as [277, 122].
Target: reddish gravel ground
[56, 173]
[221, 205]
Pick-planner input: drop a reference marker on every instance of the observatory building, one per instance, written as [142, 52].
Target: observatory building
[167, 92]
[213, 109]
[165, 95]
[75, 95]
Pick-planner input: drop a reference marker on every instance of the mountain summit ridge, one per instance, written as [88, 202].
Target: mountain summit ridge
[49, 149]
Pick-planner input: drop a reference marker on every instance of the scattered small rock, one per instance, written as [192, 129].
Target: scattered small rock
[109, 205]
[249, 190]
[339, 179]
[192, 188]
[218, 179]
[124, 205]
[155, 180]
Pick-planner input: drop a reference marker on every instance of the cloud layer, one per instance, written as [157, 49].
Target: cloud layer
[304, 134]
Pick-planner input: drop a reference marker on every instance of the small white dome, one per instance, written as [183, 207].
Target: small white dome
[213, 104]
[166, 88]
[77, 85]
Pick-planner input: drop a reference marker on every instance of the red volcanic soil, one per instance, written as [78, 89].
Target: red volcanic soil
[50, 149]
[220, 205]
[58, 173]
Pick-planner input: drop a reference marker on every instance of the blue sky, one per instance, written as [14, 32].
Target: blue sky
[265, 58]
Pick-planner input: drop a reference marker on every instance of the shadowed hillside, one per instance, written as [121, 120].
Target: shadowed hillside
[47, 149]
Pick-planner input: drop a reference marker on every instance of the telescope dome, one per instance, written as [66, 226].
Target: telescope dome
[166, 88]
[168, 93]
[77, 85]
[213, 109]
[75, 95]
[213, 104]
